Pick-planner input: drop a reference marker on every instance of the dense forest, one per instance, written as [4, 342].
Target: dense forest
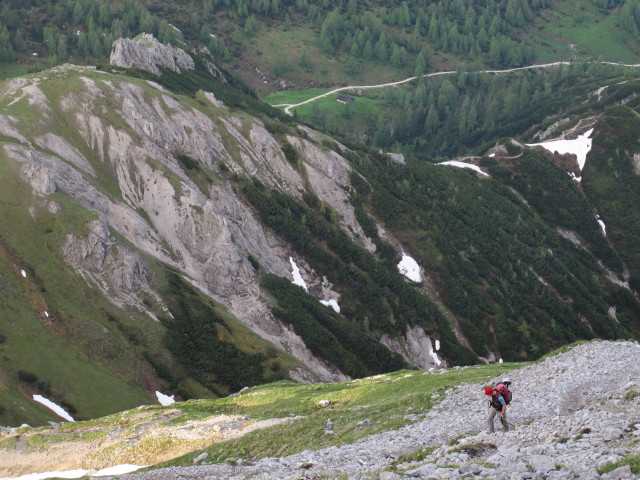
[402, 34]
[506, 299]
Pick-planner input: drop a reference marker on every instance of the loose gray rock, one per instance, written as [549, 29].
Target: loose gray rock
[611, 433]
[423, 471]
[542, 463]
[620, 473]
[200, 457]
[389, 476]
[147, 53]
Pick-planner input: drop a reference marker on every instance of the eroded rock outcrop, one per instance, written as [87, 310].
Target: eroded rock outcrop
[147, 53]
[416, 348]
[205, 231]
[114, 268]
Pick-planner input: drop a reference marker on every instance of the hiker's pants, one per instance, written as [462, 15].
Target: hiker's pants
[492, 413]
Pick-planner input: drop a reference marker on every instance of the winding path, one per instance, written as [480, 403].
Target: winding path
[289, 106]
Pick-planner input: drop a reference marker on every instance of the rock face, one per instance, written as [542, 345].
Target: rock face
[115, 269]
[207, 232]
[147, 53]
[123, 162]
[416, 348]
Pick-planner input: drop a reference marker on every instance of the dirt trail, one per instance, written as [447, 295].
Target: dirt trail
[289, 106]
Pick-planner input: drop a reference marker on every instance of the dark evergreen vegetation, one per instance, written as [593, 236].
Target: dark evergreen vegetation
[404, 35]
[375, 297]
[194, 332]
[498, 266]
[440, 117]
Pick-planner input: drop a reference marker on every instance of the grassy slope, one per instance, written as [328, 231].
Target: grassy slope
[356, 409]
[565, 31]
[593, 34]
[56, 349]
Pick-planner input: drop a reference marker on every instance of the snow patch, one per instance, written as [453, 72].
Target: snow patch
[39, 476]
[437, 345]
[46, 314]
[78, 473]
[331, 303]
[602, 226]
[578, 147]
[409, 268]
[165, 400]
[470, 166]
[297, 278]
[118, 470]
[436, 360]
[57, 409]
[23, 273]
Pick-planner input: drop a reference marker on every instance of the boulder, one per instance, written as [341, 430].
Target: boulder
[542, 463]
[423, 471]
[620, 473]
[147, 53]
[611, 433]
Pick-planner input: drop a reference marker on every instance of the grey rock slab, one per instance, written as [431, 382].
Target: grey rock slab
[422, 471]
[200, 457]
[542, 463]
[611, 433]
[620, 473]
[389, 476]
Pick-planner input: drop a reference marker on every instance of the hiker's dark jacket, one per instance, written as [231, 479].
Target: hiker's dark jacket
[497, 402]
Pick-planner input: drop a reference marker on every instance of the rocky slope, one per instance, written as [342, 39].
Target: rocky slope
[571, 414]
[207, 235]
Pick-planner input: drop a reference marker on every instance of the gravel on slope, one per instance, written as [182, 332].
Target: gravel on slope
[571, 412]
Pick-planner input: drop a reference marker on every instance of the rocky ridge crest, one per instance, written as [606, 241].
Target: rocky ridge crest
[571, 414]
[147, 53]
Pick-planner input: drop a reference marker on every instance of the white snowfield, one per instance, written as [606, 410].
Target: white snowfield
[470, 166]
[297, 278]
[115, 470]
[409, 268]
[602, 226]
[331, 303]
[165, 400]
[579, 147]
[61, 412]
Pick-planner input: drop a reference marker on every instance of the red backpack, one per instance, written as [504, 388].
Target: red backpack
[505, 392]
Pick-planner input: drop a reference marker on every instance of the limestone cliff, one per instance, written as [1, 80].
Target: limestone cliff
[146, 53]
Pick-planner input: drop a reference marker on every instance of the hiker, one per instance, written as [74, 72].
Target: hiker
[497, 404]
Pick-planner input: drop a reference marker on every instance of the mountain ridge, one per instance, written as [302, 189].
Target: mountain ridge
[155, 191]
